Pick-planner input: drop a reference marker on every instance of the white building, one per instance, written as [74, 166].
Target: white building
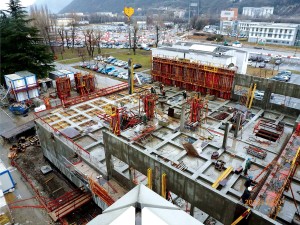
[243, 26]
[110, 14]
[274, 33]
[258, 12]
[63, 22]
[219, 56]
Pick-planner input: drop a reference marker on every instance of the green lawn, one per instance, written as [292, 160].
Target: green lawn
[142, 57]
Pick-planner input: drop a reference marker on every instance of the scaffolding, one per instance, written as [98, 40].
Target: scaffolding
[63, 87]
[149, 101]
[85, 84]
[194, 76]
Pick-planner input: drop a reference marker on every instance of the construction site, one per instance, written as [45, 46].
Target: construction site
[189, 137]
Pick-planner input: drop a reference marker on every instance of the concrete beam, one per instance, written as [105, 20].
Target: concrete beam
[199, 194]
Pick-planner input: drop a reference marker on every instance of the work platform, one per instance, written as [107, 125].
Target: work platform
[116, 163]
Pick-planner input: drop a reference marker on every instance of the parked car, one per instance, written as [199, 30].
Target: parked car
[137, 66]
[122, 74]
[278, 78]
[285, 72]
[237, 44]
[267, 60]
[277, 61]
[262, 65]
[253, 58]
[260, 59]
[116, 73]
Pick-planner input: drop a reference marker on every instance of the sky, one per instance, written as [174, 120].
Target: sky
[25, 3]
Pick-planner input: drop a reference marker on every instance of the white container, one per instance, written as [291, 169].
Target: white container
[30, 78]
[15, 81]
[68, 74]
[33, 93]
[21, 96]
[7, 183]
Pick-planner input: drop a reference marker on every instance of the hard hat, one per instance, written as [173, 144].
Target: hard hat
[249, 188]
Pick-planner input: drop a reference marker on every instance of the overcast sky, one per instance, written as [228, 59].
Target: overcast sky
[25, 3]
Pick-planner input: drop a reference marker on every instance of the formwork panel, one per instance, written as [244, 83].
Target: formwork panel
[194, 76]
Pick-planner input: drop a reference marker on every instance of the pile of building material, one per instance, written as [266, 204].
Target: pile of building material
[257, 152]
[22, 144]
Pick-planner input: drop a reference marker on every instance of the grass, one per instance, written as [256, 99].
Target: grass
[142, 57]
[295, 71]
[261, 72]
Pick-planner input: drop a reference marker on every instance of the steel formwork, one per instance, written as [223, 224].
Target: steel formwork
[194, 76]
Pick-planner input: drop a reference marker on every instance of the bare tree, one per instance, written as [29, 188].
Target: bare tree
[89, 39]
[44, 22]
[98, 41]
[67, 38]
[61, 33]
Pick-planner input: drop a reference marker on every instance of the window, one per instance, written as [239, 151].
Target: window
[279, 36]
[271, 30]
[269, 35]
[260, 29]
[256, 29]
[275, 36]
[285, 31]
[284, 36]
[290, 31]
[280, 30]
[288, 42]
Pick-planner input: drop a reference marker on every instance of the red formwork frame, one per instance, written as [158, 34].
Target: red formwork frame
[101, 92]
[193, 76]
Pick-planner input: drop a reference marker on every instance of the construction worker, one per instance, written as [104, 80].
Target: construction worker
[249, 182]
[184, 95]
[144, 118]
[161, 87]
[163, 93]
[153, 90]
[246, 195]
[247, 166]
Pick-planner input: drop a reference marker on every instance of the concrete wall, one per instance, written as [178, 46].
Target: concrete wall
[269, 86]
[199, 194]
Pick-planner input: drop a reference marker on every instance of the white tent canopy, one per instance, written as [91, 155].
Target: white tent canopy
[143, 206]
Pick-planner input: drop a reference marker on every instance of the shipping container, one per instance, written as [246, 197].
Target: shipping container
[68, 74]
[7, 183]
[56, 74]
[23, 85]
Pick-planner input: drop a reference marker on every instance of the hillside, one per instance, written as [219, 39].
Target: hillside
[282, 7]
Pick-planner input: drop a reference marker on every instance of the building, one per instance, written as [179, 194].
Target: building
[260, 12]
[109, 14]
[63, 22]
[243, 27]
[274, 33]
[207, 54]
[228, 20]
[143, 206]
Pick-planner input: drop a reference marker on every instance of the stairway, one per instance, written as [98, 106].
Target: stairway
[67, 203]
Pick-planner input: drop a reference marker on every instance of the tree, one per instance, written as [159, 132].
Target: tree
[61, 33]
[98, 41]
[44, 22]
[89, 40]
[21, 46]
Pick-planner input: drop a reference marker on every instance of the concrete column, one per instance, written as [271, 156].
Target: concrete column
[266, 99]
[225, 135]
[192, 210]
[182, 116]
[237, 125]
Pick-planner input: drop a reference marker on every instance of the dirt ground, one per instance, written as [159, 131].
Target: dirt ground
[51, 185]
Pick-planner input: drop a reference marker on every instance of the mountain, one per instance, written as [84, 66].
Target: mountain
[53, 5]
[282, 7]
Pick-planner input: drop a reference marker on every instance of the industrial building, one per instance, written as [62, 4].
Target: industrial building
[189, 147]
[258, 12]
[219, 56]
[274, 33]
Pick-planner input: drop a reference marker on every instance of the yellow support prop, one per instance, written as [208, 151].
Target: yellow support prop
[252, 96]
[149, 175]
[164, 185]
[222, 176]
[246, 213]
